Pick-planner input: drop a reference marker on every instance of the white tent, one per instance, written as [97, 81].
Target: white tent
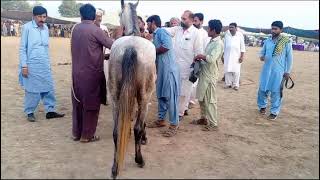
[107, 18]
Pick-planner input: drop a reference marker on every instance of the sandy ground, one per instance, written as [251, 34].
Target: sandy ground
[246, 145]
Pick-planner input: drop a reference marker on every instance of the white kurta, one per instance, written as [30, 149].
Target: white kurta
[205, 41]
[105, 62]
[187, 44]
[233, 46]
[205, 38]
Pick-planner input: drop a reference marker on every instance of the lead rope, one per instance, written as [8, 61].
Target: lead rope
[74, 95]
[284, 80]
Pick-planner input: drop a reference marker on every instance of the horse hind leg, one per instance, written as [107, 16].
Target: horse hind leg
[144, 139]
[139, 129]
[114, 169]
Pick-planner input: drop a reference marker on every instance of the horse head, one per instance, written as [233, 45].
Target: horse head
[129, 18]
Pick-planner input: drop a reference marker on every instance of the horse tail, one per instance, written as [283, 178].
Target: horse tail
[126, 101]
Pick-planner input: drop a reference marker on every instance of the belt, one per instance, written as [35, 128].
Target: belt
[285, 83]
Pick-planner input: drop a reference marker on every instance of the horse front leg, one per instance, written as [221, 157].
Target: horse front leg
[115, 111]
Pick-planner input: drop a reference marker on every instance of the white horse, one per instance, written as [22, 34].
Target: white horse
[132, 75]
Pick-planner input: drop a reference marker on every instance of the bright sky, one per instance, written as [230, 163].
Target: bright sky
[255, 14]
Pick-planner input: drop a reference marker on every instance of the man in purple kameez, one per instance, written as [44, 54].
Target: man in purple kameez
[89, 88]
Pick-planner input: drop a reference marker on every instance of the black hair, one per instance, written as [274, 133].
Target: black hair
[88, 12]
[38, 10]
[139, 17]
[278, 24]
[156, 19]
[233, 24]
[215, 25]
[199, 15]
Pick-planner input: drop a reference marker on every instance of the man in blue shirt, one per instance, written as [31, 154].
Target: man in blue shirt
[34, 68]
[167, 77]
[277, 56]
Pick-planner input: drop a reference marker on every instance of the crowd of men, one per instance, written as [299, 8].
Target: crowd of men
[62, 30]
[187, 68]
[11, 28]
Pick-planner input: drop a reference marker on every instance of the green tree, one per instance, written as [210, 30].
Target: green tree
[21, 5]
[69, 8]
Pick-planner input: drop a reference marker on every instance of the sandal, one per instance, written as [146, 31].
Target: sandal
[94, 138]
[201, 121]
[157, 123]
[210, 128]
[75, 138]
[171, 131]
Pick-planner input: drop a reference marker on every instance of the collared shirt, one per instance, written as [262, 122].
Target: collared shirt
[167, 68]
[274, 67]
[34, 53]
[187, 44]
[210, 71]
[233, 47]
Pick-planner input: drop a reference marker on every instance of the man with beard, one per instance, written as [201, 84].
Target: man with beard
[143, 32]
[106, 52]
[187, 44]
[174, 22]
[277, 57]
[197, 22]
[167, 77]
[234, 49]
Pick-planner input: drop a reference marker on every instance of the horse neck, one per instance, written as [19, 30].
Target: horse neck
[132, 23]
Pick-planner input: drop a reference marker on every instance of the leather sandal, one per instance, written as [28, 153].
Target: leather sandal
[201, 121]
[93, 139]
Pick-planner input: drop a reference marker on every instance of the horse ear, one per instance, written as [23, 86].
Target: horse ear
[136, 4]
[122, 4]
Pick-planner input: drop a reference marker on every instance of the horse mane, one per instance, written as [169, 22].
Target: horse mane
[131, 24]
[136, 30]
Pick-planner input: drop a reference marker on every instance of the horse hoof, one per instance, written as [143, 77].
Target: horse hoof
[114, 176]
[144, 141]
[114, 171]
[140, 162]
[141, 165]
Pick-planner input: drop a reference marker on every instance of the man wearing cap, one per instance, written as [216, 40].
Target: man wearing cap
[276, 54]
[106, 51]
[34, 67]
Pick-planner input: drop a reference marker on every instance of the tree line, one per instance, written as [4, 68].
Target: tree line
[68, 8]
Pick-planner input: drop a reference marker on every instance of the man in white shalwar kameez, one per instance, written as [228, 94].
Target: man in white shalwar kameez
[106, 51]
[187, 45]
[234, 49]
[197, 22]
